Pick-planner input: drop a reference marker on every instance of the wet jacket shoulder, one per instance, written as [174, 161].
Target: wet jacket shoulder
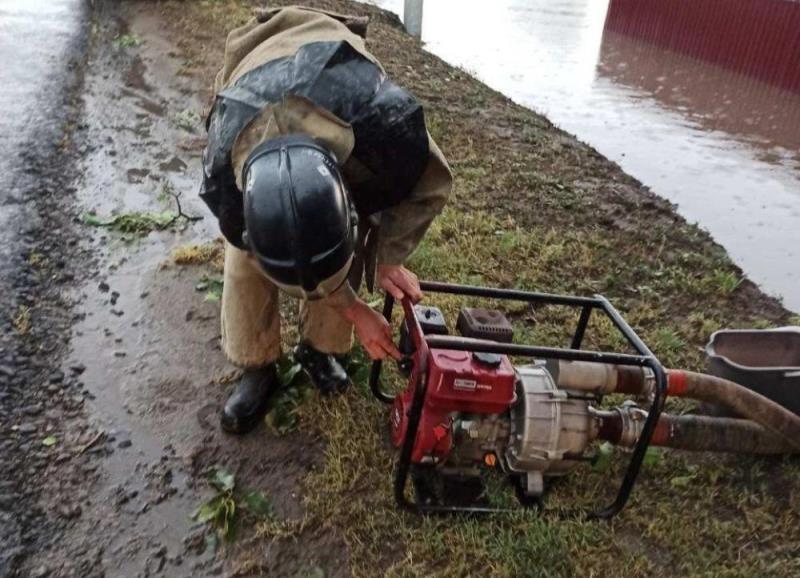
[315, 59]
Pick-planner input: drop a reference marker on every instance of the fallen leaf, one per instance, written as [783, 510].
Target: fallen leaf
[258, 504]
[223, 480]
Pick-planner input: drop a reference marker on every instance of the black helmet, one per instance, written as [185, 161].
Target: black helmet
[300, 222]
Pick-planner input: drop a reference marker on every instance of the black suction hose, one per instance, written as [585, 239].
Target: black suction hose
[772, 416]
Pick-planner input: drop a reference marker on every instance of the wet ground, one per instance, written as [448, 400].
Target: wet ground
[723, 146]
[31, 79]
[38, 82]
[107, 459]
[110, 370]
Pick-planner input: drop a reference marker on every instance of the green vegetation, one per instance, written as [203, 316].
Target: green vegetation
[136, 222]
[140, 223]
[223, 510]
[188, 119]
[49, 441]
[533, 208]
[285, 406]
[127, 41]
[211, 287]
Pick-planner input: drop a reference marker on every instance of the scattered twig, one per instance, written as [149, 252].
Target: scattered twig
[100, 435]
[141, 223]
[177, 198]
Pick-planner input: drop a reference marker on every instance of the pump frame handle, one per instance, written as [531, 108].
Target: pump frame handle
[642, 358]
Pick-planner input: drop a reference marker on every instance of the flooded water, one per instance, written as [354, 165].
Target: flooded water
[723, 146]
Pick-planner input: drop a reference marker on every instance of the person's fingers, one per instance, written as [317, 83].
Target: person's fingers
[375, 352]
[387, 343]
[410, 285]
[390, 349]
[395, 291]
[414, 291]
[417, 288]
[400, 281]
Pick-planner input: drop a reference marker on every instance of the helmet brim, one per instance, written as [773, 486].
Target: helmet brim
[324, 289]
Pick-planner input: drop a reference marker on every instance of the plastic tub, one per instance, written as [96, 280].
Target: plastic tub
[766, 361]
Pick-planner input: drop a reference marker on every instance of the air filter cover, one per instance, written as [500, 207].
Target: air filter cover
[480, 323]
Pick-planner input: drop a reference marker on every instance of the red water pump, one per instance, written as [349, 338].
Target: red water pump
[467, 408]
[460, 383]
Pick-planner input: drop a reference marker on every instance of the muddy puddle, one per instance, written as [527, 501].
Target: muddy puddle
[722, 145]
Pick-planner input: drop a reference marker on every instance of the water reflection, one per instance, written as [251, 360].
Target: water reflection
[757, 38]
[721, 145]
[762, 115]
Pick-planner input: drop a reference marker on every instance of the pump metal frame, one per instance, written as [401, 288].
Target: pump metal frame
[424, 343]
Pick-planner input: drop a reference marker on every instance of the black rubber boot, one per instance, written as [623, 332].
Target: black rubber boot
[325, 371]
[247, 405]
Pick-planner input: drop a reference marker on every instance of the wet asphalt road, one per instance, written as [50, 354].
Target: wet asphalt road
[41, 46]
[38, 40]
[107, 495]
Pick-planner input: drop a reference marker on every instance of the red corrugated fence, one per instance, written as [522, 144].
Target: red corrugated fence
[760, 38]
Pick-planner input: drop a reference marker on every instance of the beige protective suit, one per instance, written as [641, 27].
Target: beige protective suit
[250, 312]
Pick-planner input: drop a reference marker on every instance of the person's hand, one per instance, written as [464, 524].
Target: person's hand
[373, 331]
[399, 282]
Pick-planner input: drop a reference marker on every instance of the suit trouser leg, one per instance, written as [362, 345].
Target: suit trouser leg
[250, 317]
[324, 328]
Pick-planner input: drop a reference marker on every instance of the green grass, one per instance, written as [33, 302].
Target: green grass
[533, 209]
[135, 222]
[127, 41]
[684, 512]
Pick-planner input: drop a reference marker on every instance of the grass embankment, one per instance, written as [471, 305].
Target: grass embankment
[533, 208]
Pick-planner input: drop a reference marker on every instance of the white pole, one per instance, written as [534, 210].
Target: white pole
[412, 17]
